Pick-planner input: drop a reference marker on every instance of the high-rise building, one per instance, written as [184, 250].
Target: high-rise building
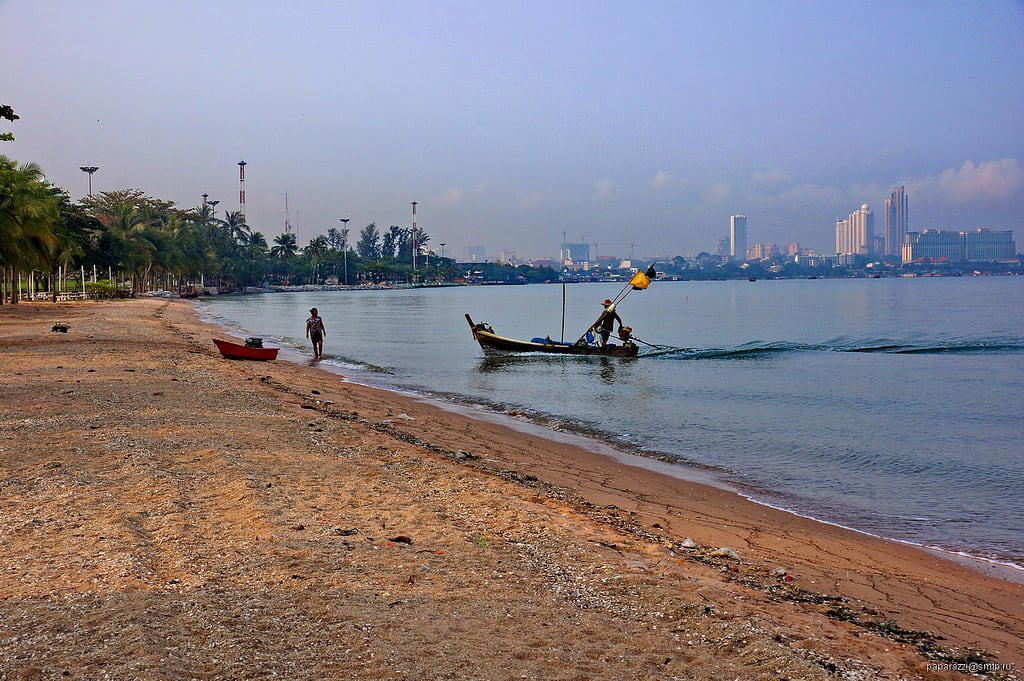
[723, 246]
[855, 234]
[476, 254]
[762, 251]
[979, 245]
[987, 245]
[895, 220]
[575, 252]
[737, 237]
[791, 249]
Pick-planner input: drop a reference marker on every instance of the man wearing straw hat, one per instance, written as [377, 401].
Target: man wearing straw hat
[607, 321]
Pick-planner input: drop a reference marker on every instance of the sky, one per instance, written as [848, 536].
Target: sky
[511, 122]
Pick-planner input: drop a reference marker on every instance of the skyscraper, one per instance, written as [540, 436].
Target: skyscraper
[855, 234]
[737, 237]
[723, 246]
[895, 220]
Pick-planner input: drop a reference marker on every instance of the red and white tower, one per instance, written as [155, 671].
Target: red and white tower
[241, 189]
[412, 236]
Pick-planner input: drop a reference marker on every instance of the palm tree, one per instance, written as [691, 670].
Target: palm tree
[29, 216]
[316, 247]
[257, 241]
[286, 247]
[235, 225]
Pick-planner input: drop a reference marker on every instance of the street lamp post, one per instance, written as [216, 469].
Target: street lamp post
[90, 170]
[344, 222]
[213, 208]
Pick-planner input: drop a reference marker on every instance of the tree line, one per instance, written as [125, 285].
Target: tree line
[147, 243]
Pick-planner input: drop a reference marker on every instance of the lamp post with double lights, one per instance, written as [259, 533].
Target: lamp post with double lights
[90, 170]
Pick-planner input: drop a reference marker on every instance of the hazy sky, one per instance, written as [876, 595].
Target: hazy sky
[509, 122]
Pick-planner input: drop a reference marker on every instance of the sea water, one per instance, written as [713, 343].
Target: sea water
[892, 406]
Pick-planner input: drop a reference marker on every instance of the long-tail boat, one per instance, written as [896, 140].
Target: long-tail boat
[493, 344]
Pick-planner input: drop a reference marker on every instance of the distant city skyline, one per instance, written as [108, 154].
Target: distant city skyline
[512, 123]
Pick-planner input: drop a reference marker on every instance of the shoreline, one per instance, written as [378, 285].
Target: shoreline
[659, 462]
[966, 569]
[159, 486]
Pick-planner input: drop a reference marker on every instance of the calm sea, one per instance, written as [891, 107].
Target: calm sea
[889, 405]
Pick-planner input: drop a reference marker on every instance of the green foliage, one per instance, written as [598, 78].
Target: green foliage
[156, 244]
[29, 215]
[368, 245]
[7, 113]
[103, 286]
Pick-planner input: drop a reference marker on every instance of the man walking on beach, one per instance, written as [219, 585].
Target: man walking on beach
[315, 331]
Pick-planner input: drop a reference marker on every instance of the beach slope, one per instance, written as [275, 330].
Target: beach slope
[167, 514]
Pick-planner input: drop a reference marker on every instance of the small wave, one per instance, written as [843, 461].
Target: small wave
[755, 349]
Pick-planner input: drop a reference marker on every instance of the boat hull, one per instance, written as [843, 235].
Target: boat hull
[493, 344]
[236, 351]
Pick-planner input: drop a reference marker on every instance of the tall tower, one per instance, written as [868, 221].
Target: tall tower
[412, 236]
[738, 237]
[287, 222]
[241, 189]
[896, 221]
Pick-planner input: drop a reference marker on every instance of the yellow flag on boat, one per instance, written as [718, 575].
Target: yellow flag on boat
[642, 280]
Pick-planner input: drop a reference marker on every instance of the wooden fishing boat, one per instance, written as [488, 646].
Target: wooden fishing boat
[493, 344]
[236, 351]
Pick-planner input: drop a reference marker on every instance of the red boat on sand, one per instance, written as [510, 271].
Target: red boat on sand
[236, 351]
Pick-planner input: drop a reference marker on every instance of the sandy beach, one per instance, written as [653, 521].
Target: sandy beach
[167, 514]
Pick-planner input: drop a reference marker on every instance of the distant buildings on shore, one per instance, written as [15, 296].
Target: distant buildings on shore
[856, 234]
[896, 221]
[737, 237]
[576, 252]
[975, 246]
[856, 245]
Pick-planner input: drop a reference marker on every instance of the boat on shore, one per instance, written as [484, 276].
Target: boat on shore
[236, 351]
[493, 344]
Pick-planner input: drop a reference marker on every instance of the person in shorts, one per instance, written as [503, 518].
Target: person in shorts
[607, 321]
[315, 332]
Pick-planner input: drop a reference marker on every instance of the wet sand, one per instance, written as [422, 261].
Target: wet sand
[169, 514]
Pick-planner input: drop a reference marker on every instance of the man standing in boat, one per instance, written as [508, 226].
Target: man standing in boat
[315, 331]
[607, 321]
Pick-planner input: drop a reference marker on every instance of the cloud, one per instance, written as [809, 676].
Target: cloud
[984, 180]
[604, 188]
[450, 197]
[771, 178]
[716, 193]
[660, 179]
[807, 193]
[527, 199]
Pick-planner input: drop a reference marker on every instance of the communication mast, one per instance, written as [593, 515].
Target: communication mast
[241, 189]
[287, 222]
[413, 236]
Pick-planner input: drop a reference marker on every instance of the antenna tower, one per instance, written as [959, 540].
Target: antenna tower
[413, 235]
[287, 222]
[241, 189]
